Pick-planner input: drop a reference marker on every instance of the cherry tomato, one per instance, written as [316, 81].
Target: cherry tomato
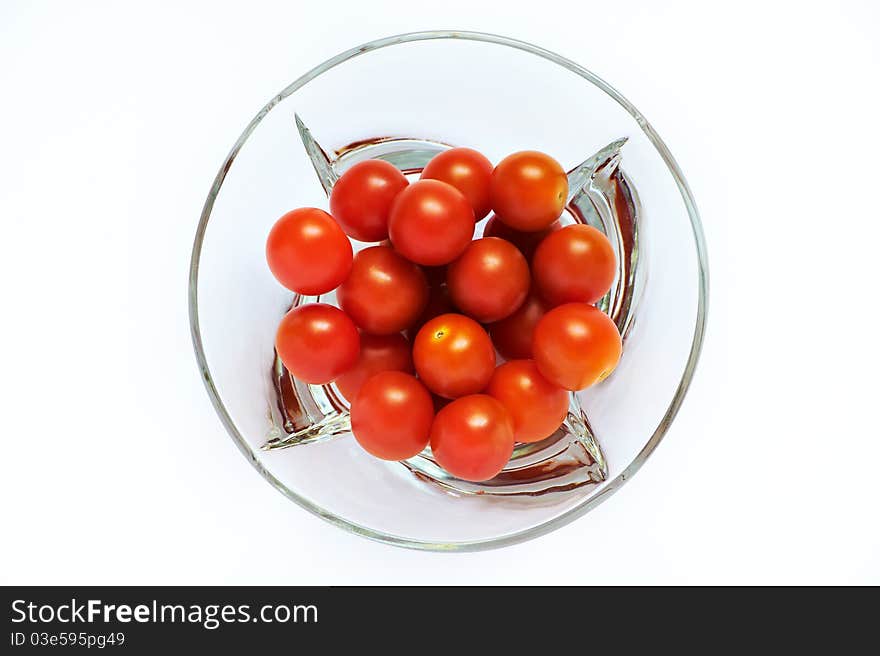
[536, 405]
[528, 190]
[453, 356]
[576, 345]
[378, 353]
[466, 170]
[361, 199]
[308, 252]
[526, 242]
[317, 342]
[431, 222]
[490, 280]
[513, 335]
[472, 437]
[384, 293]
[575, 264]
[391, 416]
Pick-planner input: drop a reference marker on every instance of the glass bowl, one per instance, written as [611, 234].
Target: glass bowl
[403, 99]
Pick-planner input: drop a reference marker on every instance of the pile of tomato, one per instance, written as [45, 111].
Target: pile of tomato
[421, 314]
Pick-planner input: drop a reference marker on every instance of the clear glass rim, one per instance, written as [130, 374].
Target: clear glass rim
[696, 344]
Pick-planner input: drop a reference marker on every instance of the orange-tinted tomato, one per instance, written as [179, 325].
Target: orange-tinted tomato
[391, 416]
[528, 190]
[513, 335]
[361, 199]
[526, 242]
[490, 280]
[308, 252]
[378, 353]
[574, 265]
[384, 293]
[317, 342]
[472, 437]
[468, 171]
[536, 405]
[575, 345]
[453, 356]
[431, 222]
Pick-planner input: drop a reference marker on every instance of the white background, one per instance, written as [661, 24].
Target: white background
[114, 468]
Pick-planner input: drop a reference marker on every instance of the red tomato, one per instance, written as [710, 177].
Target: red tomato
[453, 356]
[431, 222]
[526, 242]
[466, 170]
[362, 198]
[574, 265]
[537, 406]
[528, 190]
[472, 437]
[384, 293]
[576, 345]
[391, 416]
[490, 280]
[513, 335]
[308, 252]
[378, 353]
[317, 342]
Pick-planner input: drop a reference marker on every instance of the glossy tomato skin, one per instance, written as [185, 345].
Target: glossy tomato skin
[431, 223]
[468, 171]
[490, 280]
[307, 252]
[528, 190]
[472, 437]
[391, 416]
[526, 242]
[512, 335]
[317, 342]
[384, 293]
[574, 265]
[453, 356]
[576, 345]
[537, 406]
[361, 199]
[378, 353]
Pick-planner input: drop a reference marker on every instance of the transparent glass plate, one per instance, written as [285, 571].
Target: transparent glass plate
[403, 99]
